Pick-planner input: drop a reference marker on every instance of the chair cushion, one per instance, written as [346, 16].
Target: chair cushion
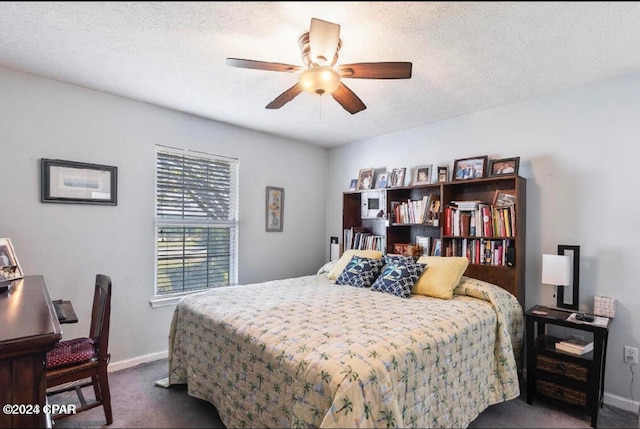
[70, 352]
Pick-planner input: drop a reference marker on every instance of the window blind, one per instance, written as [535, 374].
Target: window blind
[196, 221]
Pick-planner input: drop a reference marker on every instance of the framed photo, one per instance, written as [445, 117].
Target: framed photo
[9, 266]
[274, 209]
[422, 175]
[504, 167]
[397, 177]
[78, 182]
[365, 179]
[353, 185]
[437, 247]
[504, 199]
[382, 181]
[443, 174]
[470, 168]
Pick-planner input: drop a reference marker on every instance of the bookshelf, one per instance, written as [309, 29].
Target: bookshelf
[506, 266]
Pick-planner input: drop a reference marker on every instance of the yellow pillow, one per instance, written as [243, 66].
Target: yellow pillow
[346, 257]
[440, 276]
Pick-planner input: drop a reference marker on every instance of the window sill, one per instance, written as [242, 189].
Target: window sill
[158, 302]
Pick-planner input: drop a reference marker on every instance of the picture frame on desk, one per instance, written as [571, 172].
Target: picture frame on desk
[470, 168]
[504, 167]
[9, 266]
[78, 182]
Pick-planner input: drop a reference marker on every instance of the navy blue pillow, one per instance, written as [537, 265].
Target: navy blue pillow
[397, 278]
[360, 272]
[399, 259]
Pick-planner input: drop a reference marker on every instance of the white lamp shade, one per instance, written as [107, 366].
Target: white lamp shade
[556, 270]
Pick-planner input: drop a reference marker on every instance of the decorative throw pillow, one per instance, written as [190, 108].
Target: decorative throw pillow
[441, 276]
[338, 268]
[397, 278]
[360, 272]
[396, 259]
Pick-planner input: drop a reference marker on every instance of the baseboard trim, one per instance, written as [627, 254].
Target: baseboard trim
[128, 363]
[620, 402]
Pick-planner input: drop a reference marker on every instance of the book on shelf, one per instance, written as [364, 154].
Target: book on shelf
[575, 345]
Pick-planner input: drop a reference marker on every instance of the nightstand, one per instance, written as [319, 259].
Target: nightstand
[575, 380]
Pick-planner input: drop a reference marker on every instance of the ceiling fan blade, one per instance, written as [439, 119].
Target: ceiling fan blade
[262, 65]
[348, 99]
[386, 70]
[324, 37]
[285, 97]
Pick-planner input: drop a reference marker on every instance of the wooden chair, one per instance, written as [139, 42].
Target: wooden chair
[87, 357]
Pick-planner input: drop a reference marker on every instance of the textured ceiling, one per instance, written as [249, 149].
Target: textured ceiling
[467, 56]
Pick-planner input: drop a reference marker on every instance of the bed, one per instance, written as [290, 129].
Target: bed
[307, 352]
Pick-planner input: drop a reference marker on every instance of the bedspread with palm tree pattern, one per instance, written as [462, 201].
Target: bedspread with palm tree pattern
[306, 352]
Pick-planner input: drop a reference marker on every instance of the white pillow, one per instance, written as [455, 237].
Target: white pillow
[326, 268]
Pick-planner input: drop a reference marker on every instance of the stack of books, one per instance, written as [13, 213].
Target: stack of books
[575, 345]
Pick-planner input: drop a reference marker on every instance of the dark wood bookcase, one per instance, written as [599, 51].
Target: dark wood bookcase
[510, 277]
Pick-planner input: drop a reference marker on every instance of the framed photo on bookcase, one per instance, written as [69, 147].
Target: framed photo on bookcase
[470, 168]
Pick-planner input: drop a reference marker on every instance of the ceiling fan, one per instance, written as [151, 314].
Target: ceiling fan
[319, 51]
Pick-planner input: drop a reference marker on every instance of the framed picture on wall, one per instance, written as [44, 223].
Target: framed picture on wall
[274, 209]
[78, 182]
[470, 168]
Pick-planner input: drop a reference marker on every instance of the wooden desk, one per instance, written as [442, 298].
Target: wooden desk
[28, 329]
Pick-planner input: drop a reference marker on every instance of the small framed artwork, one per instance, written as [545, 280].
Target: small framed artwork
[504, 167]
[365, 179]
[470, 168]
[353, 185]
[422, 175]
[443, 174]
[397, 177]
[437, 247]
[78, 182]
[9, 266]
[274, 209]
[382, 180]
[504, 199]
[400, 248]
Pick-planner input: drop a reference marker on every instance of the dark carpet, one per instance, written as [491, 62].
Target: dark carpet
[138, 403]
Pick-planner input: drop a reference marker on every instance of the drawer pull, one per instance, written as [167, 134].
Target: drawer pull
[560, 392]
[561, 367]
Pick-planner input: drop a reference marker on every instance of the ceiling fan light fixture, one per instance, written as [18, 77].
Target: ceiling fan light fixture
[319, 80]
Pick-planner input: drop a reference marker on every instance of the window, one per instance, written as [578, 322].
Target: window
[196, 222]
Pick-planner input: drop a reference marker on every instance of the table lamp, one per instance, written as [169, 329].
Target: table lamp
[556, 270]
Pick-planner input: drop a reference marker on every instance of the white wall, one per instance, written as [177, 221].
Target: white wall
[580, 152]
[69, 243]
